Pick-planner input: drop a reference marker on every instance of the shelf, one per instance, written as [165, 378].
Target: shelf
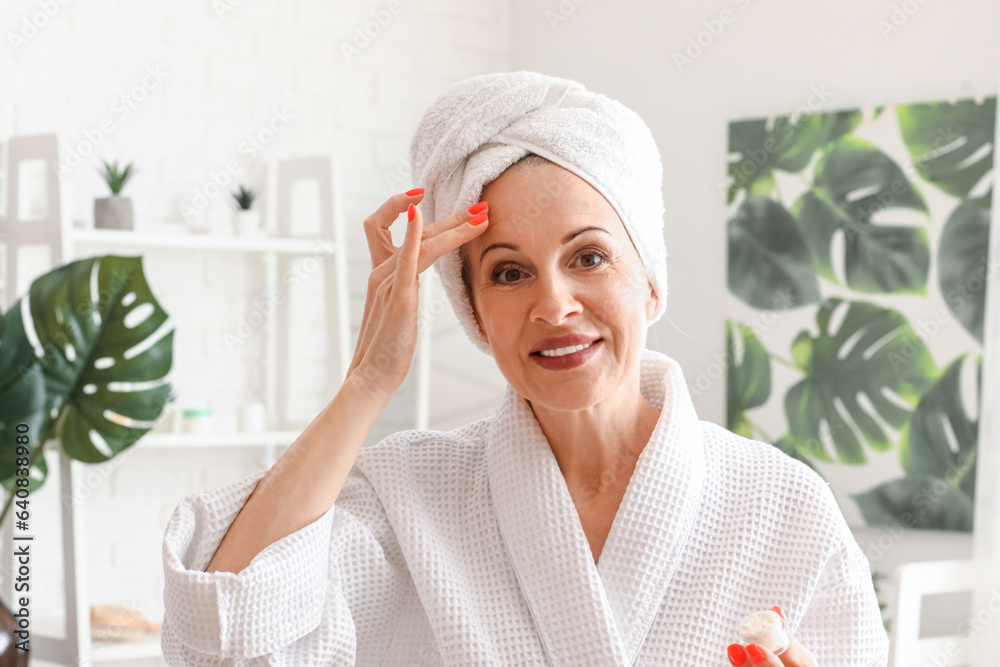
[180, 440]
[108, 651]
[170, 440]
[191, 241]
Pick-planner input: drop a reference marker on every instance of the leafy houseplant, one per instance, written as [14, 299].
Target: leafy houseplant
[114, 212]
[83, 359]
[246, 220]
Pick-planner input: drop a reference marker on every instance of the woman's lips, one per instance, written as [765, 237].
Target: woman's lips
[567, 361]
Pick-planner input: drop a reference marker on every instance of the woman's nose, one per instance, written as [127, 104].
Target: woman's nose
[554, 298]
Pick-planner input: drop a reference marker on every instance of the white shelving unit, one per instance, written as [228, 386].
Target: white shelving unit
[65, 244]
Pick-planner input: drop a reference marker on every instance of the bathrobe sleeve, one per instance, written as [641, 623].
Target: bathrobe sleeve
[327, 594]
[842, 623]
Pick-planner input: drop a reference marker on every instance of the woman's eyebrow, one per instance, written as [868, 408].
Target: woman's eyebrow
[566, 239]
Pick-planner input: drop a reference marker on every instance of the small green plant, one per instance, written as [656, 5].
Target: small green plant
[244, 198]
[114, 178]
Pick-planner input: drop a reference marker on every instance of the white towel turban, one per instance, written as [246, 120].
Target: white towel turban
[484, 124]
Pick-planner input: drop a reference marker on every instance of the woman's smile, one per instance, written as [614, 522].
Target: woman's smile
[563, 358]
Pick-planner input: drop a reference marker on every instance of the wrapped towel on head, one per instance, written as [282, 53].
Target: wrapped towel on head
[486, 123]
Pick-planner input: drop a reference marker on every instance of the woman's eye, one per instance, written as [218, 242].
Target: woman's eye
[500, 273]
[500, 276]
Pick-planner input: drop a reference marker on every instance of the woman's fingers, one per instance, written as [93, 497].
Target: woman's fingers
[377, 225]
[752, 655]
[409, 253]
[450, 233]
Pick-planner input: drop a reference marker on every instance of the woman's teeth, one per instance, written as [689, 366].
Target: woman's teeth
[562, 351]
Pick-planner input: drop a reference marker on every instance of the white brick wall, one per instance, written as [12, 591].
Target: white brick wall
[223, 76]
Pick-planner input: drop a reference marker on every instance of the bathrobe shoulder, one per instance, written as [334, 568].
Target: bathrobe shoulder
[464, 547]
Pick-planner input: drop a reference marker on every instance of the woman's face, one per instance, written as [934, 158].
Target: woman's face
[556, 260]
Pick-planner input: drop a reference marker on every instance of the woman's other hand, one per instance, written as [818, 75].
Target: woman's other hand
[387, 339]
[751, 655]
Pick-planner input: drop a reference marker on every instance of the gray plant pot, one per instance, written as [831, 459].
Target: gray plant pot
[113, 213]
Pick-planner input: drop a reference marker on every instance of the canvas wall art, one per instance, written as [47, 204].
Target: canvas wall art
[857, 271]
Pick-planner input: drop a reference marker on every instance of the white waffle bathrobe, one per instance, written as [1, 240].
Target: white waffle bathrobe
[464, 547]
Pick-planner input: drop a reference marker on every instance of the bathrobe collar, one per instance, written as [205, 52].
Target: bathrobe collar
[587, 613]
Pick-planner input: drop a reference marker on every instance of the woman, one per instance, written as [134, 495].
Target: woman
[593, 519]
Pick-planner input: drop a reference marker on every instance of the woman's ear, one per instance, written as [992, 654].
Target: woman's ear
[651, 303]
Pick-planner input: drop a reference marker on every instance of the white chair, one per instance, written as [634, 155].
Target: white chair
[913, 582]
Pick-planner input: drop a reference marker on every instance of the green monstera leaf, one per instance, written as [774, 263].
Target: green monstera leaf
[873, 351]
[22, 402]
[104, 353]
[963, 265]
[951, 145]
[761, 146]
[924, 502]
[748, 383]
[924, 446]
[852, 182]
[769, 263]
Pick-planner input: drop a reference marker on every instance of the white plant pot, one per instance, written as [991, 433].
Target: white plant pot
[247, 223]
[113, 213]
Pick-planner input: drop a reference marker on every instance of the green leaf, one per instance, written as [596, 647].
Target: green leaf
[105, 357]
[951, 145]
[785, 145]
[22, 401]
[853, 181]
[874, 350]
[769, 264]
[963, 265]
[748, 384]
[924, 446]
[925, 503]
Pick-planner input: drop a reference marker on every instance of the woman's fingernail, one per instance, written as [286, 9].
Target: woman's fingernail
[777, 610]
[479, 218]
[756, 655]
[410, 212]
[737, 655]
[476, 208]
[414, 191]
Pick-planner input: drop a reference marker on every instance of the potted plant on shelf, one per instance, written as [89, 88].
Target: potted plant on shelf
[69, 371]
[246, 220]
[114, 212]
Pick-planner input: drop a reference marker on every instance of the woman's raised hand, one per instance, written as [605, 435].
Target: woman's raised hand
[387, 340]
[751, 655]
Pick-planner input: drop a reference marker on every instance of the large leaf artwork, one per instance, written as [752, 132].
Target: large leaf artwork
[853, 182]
[873, 352]
[878, 226]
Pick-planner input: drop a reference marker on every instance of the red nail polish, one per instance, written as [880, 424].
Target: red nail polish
[778, 611]
[479, 218]
[756, 655]
[414, 191]
[410, 212]
[476, 208]
[737, 655]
